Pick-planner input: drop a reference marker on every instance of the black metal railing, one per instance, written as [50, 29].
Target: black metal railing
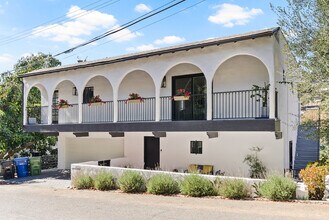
[165, 111]
[97, 112]
[238, 104]
[192, 109]
[37, 114]
[69, 114]
[136, 111]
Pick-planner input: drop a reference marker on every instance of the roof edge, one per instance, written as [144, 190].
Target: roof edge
[201, 44]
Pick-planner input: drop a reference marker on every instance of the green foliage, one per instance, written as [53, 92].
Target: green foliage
[197, 186]
[314, 177]
[132, 182]
[278, 188]
[256, 167]
[104, 181]
[83, 182]
[306, 27]
[324, 155]
[13, 139]
[234, 189]
[163, 184]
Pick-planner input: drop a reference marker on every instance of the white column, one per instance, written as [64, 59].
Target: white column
[80, 100]
[157, 104]
[209, 99]
[50, 109]
[25, 104]
[272, 94]
[115, 105]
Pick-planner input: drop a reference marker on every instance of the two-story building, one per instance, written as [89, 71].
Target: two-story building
[220, 116]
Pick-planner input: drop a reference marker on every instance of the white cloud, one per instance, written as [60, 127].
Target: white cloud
[124, 35]
[72, 31]
[142, 47]
[5, 58]
[141, 8]
[230, 15]
[170, 40]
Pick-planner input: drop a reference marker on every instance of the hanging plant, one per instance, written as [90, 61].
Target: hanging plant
[134, 98]
[63, 104]
[182, 95]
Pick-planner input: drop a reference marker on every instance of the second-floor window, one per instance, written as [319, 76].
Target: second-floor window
[88, 93]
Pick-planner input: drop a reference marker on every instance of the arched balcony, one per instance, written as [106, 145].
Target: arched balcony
[37, 105]
[136, 97]
[65, 107]
[97, 101]
[234, 93]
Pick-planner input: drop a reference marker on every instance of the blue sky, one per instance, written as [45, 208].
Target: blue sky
[79, 22]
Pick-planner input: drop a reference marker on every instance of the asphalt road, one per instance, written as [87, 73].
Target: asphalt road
[35, 202]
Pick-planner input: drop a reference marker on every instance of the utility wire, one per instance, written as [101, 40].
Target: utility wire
[117, 30]
[136, 30]
[27, 33]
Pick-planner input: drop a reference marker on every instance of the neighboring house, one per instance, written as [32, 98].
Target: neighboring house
[217, 126]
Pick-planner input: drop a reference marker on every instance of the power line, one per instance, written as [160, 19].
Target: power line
[27, 33]
[136, 30]
[108, 33]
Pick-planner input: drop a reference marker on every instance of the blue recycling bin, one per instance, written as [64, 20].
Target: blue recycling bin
[22, 166]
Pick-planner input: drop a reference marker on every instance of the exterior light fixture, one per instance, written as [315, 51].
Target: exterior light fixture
[74, 91]
[164, 82]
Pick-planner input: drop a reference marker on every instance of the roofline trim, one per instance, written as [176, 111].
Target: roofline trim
[155, 53]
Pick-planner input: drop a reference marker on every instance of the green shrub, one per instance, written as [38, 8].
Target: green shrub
[234, 189]
[278, 188]
[162, 184]
[83, 182]
[104, 181]
[132, 182]
[197, 186]
[257, 168]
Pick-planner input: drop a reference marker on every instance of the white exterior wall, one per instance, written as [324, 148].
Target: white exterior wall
[97, 147]
[102, 87]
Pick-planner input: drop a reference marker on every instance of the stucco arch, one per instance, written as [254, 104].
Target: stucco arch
[132, 81]
[178, 69]
[43, 93]
[102, 87]
[65, 88]
[240, 72]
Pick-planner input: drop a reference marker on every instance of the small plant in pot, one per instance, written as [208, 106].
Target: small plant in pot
[63, 104]
[95, 101]
[261, 94]
[182, 95]
[134, 98]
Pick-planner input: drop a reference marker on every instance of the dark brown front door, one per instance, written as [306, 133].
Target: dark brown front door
[151, 152]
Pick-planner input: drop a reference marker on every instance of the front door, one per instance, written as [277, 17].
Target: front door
[151, 152]
[195, 107]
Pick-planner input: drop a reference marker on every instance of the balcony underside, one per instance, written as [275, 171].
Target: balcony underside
[167, 126]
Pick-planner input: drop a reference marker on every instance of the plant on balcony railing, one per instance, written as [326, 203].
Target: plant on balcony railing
[261, 94]
[63, 104]
[182, 95]
[134, 98]
[95, 101]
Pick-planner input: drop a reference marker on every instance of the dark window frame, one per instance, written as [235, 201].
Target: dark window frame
[196, 147]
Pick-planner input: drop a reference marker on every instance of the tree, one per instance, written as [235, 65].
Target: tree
[305, 23]
[12, 137]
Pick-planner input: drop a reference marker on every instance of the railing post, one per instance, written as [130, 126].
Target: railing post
[209, 100]
[272, 95]
[157, 105]
[115, 106]
[80, 100]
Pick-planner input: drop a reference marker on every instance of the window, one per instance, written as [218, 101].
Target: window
[196, 147]
[88, 93]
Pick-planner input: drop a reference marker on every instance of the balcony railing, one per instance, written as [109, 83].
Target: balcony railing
[165, 111]
[97, 112]
[37, 115]
[139, 111]
[238, 104]
[68, 115]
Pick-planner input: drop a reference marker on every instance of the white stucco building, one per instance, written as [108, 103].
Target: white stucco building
[218, 124]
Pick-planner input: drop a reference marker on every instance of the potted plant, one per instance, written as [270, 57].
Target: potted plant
[261, 94]
[95, 101]
[182, 95]
[63, 104]
[134, 98]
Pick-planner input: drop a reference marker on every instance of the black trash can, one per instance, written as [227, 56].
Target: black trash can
[8, 169]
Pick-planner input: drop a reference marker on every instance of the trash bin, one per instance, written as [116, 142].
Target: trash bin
[35, 166]
[7, 169]
[22, 166]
